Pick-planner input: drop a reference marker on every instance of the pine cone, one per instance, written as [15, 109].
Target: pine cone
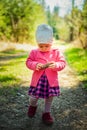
[45, 65]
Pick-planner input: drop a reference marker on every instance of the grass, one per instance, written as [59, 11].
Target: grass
[13, 70]
[77, 58]
[14, 73]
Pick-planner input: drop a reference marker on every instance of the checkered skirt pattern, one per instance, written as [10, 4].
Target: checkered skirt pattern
[43, 89]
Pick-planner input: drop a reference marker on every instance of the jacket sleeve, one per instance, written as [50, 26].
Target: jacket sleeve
[30, 62]
[60, 62]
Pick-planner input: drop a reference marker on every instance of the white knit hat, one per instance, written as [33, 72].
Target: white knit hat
[44, 34]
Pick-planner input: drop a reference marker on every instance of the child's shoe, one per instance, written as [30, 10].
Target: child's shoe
[32, 111]
[47, 118]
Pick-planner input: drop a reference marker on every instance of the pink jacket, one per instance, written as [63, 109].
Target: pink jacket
[37, 56]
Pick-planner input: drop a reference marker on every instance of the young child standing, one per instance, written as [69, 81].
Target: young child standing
[45, 63]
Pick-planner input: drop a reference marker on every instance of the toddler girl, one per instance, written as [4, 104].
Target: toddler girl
[45, 63]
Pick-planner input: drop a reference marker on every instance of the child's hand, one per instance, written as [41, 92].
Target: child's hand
[52, 65]
[39, 66]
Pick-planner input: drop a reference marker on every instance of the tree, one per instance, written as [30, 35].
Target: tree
[52, 20]
[83, 29]
[71, 25]
[21, 18]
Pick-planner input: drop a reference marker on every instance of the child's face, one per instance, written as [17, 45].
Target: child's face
[44, 47]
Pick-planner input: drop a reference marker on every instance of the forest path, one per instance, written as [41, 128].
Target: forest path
[69, 110]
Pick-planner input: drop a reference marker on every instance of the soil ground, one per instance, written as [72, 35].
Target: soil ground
[69, 109]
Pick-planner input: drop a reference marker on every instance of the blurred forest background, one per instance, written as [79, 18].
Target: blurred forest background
[19, 19]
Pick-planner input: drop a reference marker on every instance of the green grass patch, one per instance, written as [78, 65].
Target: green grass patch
[13, 70]
[11, 51]
[77, 58]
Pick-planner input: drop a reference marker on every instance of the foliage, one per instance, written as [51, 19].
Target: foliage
[77, 21]
[19, 19]
[63, 29]
[13, 68]
[76, 57]
[84, 16]
[83, 30]
[60, 27]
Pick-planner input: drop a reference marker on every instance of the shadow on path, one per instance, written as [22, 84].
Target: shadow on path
[69, 110]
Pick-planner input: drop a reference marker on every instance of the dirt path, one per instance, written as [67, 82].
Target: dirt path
[69, 110]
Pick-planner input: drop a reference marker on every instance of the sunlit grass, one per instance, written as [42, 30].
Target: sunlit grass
[77, 58]
[13, 70]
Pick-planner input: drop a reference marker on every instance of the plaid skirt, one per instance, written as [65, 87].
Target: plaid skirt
[43, 89]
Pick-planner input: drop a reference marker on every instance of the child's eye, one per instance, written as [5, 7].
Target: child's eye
[40, 46]
[43, 46]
